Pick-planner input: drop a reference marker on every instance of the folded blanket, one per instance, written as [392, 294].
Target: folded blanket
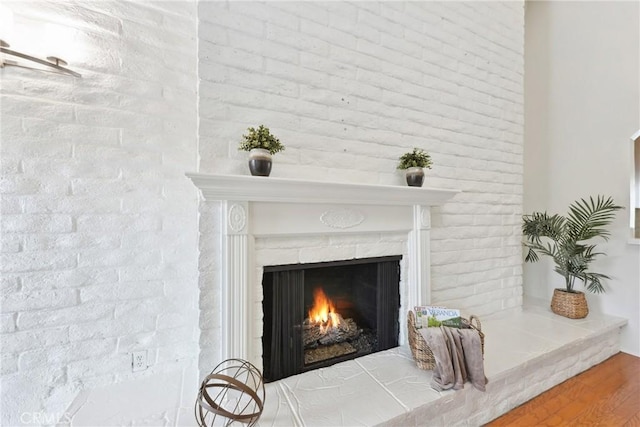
[458, 357]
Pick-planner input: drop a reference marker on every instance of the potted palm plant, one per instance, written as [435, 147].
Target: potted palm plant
[414, 163]
[567, 240]
[261, 145]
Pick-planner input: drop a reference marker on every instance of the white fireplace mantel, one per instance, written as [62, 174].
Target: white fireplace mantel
[269, 189]
[266, 206]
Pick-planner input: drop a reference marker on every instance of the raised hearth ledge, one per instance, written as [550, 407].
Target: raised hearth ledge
[269, 189]
[526, 353]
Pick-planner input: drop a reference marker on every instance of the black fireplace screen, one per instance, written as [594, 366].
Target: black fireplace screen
[319, 314]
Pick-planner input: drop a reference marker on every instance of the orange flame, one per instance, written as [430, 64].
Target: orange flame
[323, 311]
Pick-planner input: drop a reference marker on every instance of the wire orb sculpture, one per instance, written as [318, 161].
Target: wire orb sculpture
[233, 391]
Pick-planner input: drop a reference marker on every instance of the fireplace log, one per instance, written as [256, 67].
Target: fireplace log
[314, 333]
[319, 354]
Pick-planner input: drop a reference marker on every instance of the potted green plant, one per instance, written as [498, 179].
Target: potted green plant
[261, 145]
[414, 163]
[567, 240]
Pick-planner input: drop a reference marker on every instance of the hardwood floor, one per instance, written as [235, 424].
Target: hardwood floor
[606, 395]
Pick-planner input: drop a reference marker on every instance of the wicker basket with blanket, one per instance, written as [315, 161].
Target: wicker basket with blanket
[420, 350]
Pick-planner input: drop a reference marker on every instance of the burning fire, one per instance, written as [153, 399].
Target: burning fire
[323, 311]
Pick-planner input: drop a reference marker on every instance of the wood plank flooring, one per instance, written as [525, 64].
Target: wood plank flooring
[608, 394]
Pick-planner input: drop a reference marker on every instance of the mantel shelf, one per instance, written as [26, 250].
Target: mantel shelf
[283, 190]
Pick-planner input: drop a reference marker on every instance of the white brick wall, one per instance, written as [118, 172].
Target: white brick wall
[99, 224]
[349, 87]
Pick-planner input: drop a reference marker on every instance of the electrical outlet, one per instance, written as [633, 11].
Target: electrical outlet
[139, 360]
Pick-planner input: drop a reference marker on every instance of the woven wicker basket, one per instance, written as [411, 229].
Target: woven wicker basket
[420, 350]
[569, 304]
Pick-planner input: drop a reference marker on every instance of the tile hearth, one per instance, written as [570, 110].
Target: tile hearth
[526, 353]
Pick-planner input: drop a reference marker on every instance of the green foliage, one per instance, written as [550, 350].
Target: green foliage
[432, 321]
[564, 239]
[260, 138]
[416, 158]
[454, 322]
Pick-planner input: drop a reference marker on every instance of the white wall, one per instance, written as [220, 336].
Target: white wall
[99, 223]
[636, 166]
[582, 106]
[348, 87]
[99, 239]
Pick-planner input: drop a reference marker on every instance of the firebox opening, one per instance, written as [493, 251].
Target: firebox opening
[319, 314]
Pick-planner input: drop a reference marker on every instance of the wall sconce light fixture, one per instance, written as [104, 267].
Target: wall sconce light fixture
[52, 62]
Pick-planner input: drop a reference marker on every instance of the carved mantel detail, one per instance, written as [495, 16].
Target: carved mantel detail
[342, 218]
[237, 218]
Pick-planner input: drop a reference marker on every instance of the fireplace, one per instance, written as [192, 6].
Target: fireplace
[277, 221]
[318, 314]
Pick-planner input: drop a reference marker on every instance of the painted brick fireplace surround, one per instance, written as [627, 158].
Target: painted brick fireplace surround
[271, 221]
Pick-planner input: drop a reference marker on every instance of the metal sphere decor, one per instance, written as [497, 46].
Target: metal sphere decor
[233, 391]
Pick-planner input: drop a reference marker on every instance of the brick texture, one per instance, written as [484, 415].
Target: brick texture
[348, 87]
[99, 223]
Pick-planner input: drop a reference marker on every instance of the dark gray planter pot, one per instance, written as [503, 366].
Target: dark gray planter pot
[259, 162]
[415, 177]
